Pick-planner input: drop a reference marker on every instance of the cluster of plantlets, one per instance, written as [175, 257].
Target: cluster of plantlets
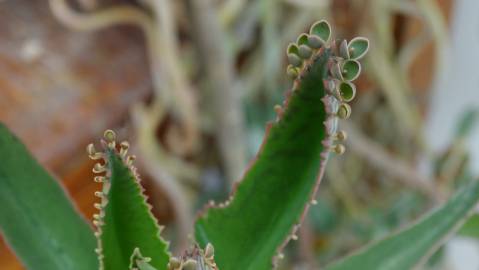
[343, 66]
[249, 230]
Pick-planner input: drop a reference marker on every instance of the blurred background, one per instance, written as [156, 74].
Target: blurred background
[192, 83]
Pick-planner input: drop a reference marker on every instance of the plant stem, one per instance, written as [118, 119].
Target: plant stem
[380, 159]
[225, 102]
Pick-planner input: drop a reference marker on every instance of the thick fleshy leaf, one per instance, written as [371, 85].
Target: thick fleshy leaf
[350, 70]
[250, 230]
[322, 29]
[125, 221]
[302, 39]
[343, 49]
[358, 47]
[37, 218]
[293, 55]
[412, 246]
[304, 51]
[347, 91]
[293, 48]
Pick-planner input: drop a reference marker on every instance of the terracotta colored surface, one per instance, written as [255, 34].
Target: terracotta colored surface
[52, 79]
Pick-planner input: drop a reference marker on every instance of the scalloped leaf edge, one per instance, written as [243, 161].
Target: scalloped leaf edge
[103, 176]
[335, 104]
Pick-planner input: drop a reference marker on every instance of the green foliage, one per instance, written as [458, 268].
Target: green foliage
[351, 69]
[358, 47]
[293, 55]
[471, 227]
[413, 245]
[36, 217]
[124, 222]
[138, 262]
[250, 230]
[320, 34]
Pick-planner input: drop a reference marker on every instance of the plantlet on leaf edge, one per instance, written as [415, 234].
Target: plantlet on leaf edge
[123, 208]
[266, 208]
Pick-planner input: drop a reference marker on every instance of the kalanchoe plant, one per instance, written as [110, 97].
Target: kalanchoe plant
[246, 232]
[268, 205]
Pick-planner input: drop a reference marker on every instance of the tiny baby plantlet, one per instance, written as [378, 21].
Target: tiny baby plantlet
[248, 231]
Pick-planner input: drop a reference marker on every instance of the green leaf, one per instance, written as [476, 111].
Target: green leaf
[321, 29]
[293, 55]
[412, 246]
[358, 47]
[293, 49]
[347, 91]
[350, 70]
[138, 262]
[37, 218]
[471, 227]
[250, 230]
[125, 221]
[302, 39]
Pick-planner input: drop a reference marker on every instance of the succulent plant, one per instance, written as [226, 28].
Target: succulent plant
[285, 175]
[246, 232]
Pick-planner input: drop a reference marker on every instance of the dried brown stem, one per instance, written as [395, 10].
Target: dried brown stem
[388, 164]
[172, 88]
[177, 81]
[153, 156]
[225, 102]
[164, 170]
